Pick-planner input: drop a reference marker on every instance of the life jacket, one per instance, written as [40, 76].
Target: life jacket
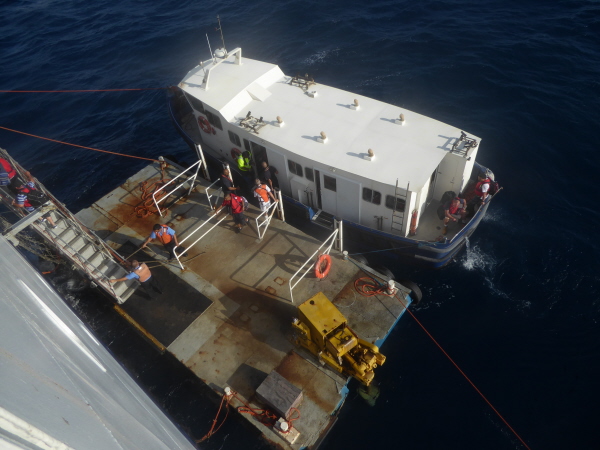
[478, 191]
[455, 209]
[237, 204]
[23, 198]
[143, 272]
[6, 172]
[163, 235]
[243, 163]
[262, 191]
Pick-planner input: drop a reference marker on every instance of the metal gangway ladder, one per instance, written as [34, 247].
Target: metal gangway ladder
[75, 242]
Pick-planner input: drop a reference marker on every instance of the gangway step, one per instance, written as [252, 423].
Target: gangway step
[324, 219]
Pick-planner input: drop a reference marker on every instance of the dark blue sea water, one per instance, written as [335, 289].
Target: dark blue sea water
[518, 312]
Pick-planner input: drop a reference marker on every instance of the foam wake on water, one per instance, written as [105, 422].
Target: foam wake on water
[477, 259]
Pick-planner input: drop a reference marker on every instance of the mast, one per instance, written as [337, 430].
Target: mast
[221, 30]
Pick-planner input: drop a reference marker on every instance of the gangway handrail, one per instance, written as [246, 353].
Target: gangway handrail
[196, 241]
[209, 196]
[265, 221]
[61, 209]
[326, 252]
[192, 180]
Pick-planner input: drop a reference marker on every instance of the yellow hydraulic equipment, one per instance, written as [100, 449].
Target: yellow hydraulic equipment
[323, 330]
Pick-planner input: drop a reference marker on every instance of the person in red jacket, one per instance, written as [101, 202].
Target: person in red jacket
[237, 209]
[482, 187]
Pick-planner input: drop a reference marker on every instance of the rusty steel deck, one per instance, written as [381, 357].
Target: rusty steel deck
[227, 315]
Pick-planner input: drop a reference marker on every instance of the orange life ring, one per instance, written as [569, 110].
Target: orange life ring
[323, 266]
[235, 153]
[204, 125]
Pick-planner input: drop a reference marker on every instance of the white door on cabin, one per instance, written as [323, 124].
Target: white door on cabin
[341, 197]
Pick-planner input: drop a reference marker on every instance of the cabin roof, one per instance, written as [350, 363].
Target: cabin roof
[409, 153]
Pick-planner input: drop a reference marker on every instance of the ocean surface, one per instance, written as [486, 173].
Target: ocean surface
[518, 311]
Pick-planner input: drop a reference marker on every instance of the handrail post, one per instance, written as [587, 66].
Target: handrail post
[204, 166]
[331, 238]
[280, 206]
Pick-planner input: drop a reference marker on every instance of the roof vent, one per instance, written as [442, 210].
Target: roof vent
[355, 105]
[323, 138]
[370, 156]
[312, 94]
[279, 122]
[401, 120]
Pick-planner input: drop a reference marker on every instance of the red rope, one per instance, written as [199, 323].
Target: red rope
[83, 90]
[371, 289]
[224, 401]
[75, 145]
[465, 375]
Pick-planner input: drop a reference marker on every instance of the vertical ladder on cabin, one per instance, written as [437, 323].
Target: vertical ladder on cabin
[397, 224]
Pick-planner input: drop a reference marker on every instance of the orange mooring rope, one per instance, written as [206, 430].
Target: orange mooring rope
[75, 145]
[375, 288]
[466, 377]
[83, 90]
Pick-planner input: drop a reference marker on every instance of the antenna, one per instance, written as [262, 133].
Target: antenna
[221, 30]
[210, 49]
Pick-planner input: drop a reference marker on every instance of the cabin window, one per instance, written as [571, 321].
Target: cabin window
[330, 183]
[295, 168]
[254, 147]
[371, 196]
[399, 205]
[214, 120]
[234, 138]
[196, 104]
[310, 175]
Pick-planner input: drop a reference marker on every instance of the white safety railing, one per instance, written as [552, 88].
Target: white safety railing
[280, 205]
[216, 194]
[264, 219]
[196, 230]
[191, 180]
[339, 242]
[204, 166]
[325, 252]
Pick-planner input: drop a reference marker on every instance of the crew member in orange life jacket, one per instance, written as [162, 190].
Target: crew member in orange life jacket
[262, 192]
[167, 237]
[141, 272]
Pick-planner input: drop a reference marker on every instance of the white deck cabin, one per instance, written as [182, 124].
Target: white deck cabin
[333, 174]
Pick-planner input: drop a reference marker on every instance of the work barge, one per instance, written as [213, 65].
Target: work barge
[228, 305]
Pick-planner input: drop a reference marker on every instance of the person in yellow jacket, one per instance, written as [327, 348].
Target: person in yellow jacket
[243, 162]
[142, 273]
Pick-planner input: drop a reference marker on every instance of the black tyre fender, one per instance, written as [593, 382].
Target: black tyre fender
[360, 259]
[387, 273]
[415, 292]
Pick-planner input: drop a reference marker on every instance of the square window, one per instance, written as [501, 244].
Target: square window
[234, 138]
[371, 196]
[246, 144]
[330, 183]
[400, 203]
[295, 168]
[310, 175]
[196, 104]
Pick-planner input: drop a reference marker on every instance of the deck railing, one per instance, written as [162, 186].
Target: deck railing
[194, 231]
[331, 239]
[216, 194]
[191, 180]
